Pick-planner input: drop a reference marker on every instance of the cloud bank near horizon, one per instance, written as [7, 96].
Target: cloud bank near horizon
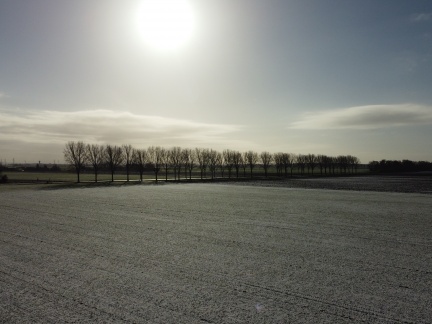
[366, 117]
[107, 126]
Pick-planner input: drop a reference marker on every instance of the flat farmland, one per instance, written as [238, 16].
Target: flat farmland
[214, 253]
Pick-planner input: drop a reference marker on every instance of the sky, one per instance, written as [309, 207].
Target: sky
[332, 77]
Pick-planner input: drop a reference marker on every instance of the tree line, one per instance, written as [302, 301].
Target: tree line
[384, 166]
[181, 162]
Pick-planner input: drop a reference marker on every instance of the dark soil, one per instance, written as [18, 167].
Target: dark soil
[382, 183]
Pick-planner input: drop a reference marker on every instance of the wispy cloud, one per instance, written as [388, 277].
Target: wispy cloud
[107, 126]
[367, 117]
[3, 95]
[419, 17]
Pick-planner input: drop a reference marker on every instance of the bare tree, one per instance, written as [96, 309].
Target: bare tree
[95, 156]
[156, 156]
[349, 159]
[252, 159]
[342, 162]
[189, 158]
[266, 159]
[140, 158]
[327, 164]
[228, 161]
[354, 162]
[114, 158]
[202, 156]
[333, 164]
[213, 162]
[184, 160]
[278, 160]
[244, 163]
[75, 155]
[127, 151]
[286, 162]
[221, 163]
[165, 161]
[176, 160]
[291, 160]
[311, 162]
[301, 162]
[321, 161]
[236, 160]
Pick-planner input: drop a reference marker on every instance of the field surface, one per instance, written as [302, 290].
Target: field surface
[214, 253]
[414, 183]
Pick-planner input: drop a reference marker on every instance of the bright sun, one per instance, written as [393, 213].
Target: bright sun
[167, 24]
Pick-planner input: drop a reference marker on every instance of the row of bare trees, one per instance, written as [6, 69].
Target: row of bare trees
[326, 164]
[179, 160]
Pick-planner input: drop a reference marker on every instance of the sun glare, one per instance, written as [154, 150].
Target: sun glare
[167, 24]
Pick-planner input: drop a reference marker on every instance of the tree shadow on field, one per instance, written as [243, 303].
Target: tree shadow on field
[100, 184]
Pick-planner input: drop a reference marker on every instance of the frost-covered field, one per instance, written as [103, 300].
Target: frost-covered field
[212, 253]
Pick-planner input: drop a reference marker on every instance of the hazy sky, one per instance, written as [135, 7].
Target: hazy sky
[302, 76]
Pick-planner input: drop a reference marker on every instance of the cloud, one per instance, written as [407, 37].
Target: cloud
[367, 117]
[107, 126]
[3, 95]
[419, 17]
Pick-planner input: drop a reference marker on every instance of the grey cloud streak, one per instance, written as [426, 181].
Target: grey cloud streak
[107, 126]
[367, 117]
[424, 16]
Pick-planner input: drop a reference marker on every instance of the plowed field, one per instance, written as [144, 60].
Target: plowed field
[214, 253]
